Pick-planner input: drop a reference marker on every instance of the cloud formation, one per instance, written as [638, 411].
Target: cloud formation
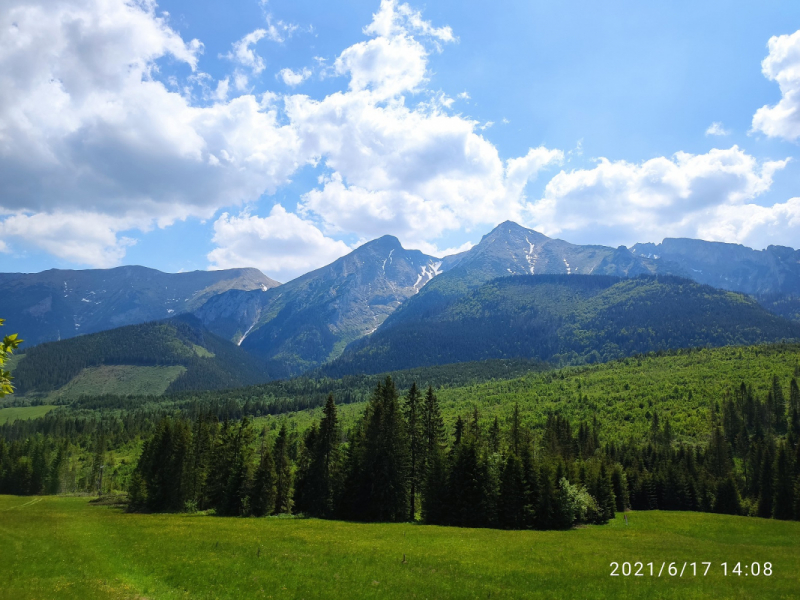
[708, 196]
[87, 131]
[294, 78]
[716, 128]
[782, 65]
[282, 244]
[94, 147]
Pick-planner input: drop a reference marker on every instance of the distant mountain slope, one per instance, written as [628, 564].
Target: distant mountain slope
[59, 304]
[207, 362]
[310, 320]
[775, 270]
[564, 319]
[510, 249]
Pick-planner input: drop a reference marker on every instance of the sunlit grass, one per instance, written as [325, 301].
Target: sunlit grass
[11, 414]
[56, 547]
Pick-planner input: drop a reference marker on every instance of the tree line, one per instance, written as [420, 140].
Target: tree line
[400, 463]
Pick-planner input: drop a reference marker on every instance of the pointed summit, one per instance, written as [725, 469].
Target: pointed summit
[312, 318]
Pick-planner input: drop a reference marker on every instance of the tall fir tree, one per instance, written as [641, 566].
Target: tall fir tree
[512, 500]
[283, 473]
[262, 494]
[416, 446]
[779, 406]
[766, 480]
[783, 498]
[726, 497]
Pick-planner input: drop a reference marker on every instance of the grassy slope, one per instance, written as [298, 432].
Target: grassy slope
[119, 379]
[23, 412]
[682, 386]
[67, 548]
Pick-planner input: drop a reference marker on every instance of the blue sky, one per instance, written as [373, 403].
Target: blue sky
[432, 122]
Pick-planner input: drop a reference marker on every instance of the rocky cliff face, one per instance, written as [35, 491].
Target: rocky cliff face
[775, 270]
[310, 320]
[511, 249]
[59, 304]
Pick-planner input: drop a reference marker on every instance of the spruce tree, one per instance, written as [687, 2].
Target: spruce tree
[318, 481]
[236, 499]
[512, 501]
[547, 507]
[458, 431]
[416, 446]
[283, 473]
[619, 482]
[794, 410]
[434, 432]
[726, 497]
[435, 499]
[465, 488]
[262, 494]
[783, 498]
[494, 436]
[530, 474]
[766, 481]
[380, 468]
[604, 495]
[779, 406]
[515, 430]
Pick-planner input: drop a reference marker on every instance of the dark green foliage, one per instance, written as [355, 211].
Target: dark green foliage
[415, 421]
[783, 496]
[262, 494]
[562, 319]
[217, 364]
[283, 474]
[320, 470]
[513, 509]
[766, 482]
[726, 497]
[383, 459]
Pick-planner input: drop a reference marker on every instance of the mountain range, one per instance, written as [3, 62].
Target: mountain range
[562, 319]
[311, 319]
[348, 308]
[59, 304]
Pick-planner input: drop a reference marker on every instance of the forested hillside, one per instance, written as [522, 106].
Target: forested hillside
[208, 361]
[561, 319]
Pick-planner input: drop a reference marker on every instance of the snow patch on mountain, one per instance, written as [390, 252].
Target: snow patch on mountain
[530, 257]
[429, 271]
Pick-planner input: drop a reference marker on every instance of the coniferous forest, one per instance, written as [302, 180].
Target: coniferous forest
[399, 459]
[400, 463]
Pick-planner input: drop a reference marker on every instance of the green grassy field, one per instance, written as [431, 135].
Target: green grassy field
[58, 547]
[11, 414]
[122, 380]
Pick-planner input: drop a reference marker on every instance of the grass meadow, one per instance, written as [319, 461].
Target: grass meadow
[12, 413]
[66, 547]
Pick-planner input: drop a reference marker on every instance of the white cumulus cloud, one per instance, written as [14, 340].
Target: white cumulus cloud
[716, 128]
[282, 244]
[94, 146]
[707, 195]
[782, 65]
[86, 130]
[293, 78]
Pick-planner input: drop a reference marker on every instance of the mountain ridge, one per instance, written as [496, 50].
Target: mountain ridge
[60, 304]
[309, 320]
